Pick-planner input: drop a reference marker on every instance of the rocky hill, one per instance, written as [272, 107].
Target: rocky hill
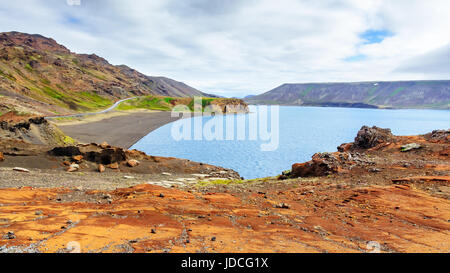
[40, 76]
[399, 94]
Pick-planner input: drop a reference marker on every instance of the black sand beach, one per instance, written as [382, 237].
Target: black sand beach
[122, 131]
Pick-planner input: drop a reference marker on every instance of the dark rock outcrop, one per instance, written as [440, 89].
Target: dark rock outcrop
[92, 152]
[321, 164]
[370, 137]
[348, 155]
[33, 130]
[439, 135]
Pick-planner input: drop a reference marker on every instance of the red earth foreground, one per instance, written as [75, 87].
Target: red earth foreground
[399, 217]
[378, 196]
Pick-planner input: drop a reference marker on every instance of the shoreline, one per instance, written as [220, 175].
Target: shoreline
[117, 128]
[347, 107]
[120, 129]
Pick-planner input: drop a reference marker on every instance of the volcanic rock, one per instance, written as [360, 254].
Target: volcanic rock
[77, 158]
[321, 164]
[66, 163]
[132, 163]
[92, 152]
[101, 168]
[345, 147]
[440, 135]
[282, 206]
[114, 166]
[9, 236]
[104, 145]
[370, 137]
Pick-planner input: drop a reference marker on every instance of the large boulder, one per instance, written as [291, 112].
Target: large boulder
[322, 164]
[370, 137]
[439, 135]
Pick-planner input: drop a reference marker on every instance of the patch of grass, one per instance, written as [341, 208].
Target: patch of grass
[68, 140]
[84, 101]
[396, 91]
[7, 75]
[168, 100]
[219, 182]
[148, 102]
[191, 105]
[45, 81]
[93, 100]
[53, 93]
[60, 87]
[61, 98]
[205, 102]
[28, 67]
[305, 92]
[20, 73]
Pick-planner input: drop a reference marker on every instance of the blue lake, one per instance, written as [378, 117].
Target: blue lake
[303, 131]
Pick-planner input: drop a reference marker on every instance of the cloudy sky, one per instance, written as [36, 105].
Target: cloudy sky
[241, 47]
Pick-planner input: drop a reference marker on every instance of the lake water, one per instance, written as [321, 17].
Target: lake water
[303, 131]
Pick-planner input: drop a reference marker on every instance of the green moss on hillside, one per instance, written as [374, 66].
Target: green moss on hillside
[7, 75]
[93, 100]
[148, 102]
[396, 91]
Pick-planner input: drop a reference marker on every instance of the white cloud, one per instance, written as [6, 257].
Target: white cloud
[248, 46]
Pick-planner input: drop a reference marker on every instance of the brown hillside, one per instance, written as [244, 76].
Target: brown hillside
[38, 75]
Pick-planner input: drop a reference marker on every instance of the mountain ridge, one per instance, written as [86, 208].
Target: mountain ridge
[40, 76]
[434, 94]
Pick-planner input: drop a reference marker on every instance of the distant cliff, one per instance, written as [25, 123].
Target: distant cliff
[398, 94]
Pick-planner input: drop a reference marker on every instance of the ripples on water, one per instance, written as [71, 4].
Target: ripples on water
[303, 132]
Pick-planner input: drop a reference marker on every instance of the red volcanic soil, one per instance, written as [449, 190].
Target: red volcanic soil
[358, 198]
[153, 219]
